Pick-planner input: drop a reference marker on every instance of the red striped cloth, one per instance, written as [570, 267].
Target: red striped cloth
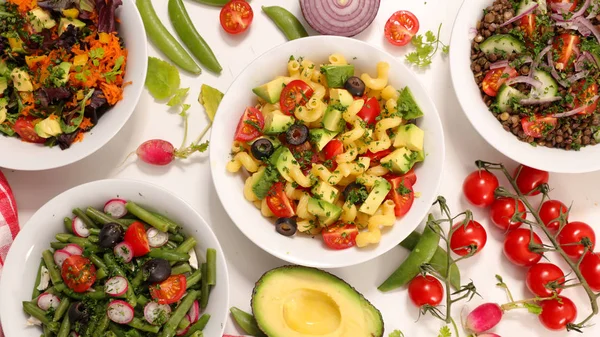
[9, 222]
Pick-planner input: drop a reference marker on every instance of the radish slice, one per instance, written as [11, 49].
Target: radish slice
[182, 332]
[115, 208]
[60, 256]
[73, 334]
[194, 312]
[79, 228]
[120, 312]
[47, 301]
[156, 238]
[116, 286]
[525, 79]
[74, 249]
[125, 251]
[153, 310]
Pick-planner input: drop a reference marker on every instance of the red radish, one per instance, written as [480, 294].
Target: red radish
[156, 238]
[115, 208]
[488, 334]
[60, 256]
[182, 332]
[153, 310]
[116, 286]
[120, 312]
[46, 301]
[74, 249]
[194, 312]
[79, 228]
[125, 251]
[484, 317]
[156, 152]
[73, 334]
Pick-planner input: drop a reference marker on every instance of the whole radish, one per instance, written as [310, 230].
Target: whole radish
[484, 317]
[488, 334]
[156, 152]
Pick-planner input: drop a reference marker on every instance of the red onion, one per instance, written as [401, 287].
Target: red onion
[553, 70]
[577, 77]
[525, 79]
[518, 17]
[339, 17]
[560, 7]
[593, 11]
[569, 25]
[526, 59]
[538, 59]
[499, 64]
[532, 101]
[579, 62]
[591, 58]
[588, 25]
[559, 17]
[571, 112]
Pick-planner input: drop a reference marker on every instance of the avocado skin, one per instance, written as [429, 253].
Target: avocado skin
[364, 301]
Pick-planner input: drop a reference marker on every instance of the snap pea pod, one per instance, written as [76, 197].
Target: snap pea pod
[193, 278]
[163, 40]
[111, 263]
[410, 268]
[38, 278]
[158, 253]
[86, 220]
[53, 271]
[68, 224]
[170, 328]
[246, 321]
[143, 214]
[40, 314]
[103, 219]
[204, 288]
[137, 323]
[291, 27]
[217, 3]
[438, 261]
[65, 327]
[191, 38]
[199, 325]
[63, 306]
[181, 269]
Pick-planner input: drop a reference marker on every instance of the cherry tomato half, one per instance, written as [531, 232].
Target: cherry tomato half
[340, 236]
[370, 111]
[503, 210]
[494, 79]
[540, 275]
[376, 157]
[538, 126]
[424, 290]
[479, 188]
[527, 24]
[517, 247]
[590, 269]
[25, 129]
[236, 16]
[550, 212]
[250, 125]
[564, 50]
[401, 194]
[410, 177]
[333, 148]
[296, 93]
[401, 27]
[278, 202]
[467, 238]
[557, 313]
[585, 95]
[529, 179]
[137, 238]
[170, 290]
[78, 273]
[573, 233]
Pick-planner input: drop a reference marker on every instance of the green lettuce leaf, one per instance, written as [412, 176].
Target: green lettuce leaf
[162, 79]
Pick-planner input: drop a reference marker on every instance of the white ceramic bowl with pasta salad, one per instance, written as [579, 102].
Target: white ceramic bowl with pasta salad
[326, 152]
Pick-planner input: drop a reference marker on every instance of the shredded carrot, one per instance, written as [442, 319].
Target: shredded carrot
[24, 5]
[26, 110]
[86, 123]
[78, 138]
[112, 93]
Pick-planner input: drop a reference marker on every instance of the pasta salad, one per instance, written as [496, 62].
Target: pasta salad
[329, 152]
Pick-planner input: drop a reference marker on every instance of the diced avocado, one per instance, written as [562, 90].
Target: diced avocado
[324, 191]
[40, 19]
[320, 137]
[263, 183]
[3, 84]
[284, 161]
[47, 128]
[502, 43]
[3, 109]
[271, 91]
[376, 196]
[341, 96]
[66, 22]
[332, 120]
[400, 161]
[409, 136]
[66, 67]
[326, 212]
[21, 80]
[337, 75]
[276, 142]
[506, 96]
[71, 13]
[276, 122]
[420, 156]
[407, 105]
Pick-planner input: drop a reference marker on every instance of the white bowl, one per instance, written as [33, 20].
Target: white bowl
[18, 275]
[19, 155]
[302, 249]
[469, 96]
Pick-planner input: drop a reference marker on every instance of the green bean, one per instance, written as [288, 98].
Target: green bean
[53, 270]
[65, 327]
[143, 214]
[104, 219]
[163, 40]
[139, 277]
[168, 255]
[93, 239]
[58, 245]
[142, 300]
[97, 294]
[46, 332]
[170, 327]
[68, 224]
[137, 323]
[86, 220]
[423, 252]
[193, 278]
[290, 25]
[211, 266]
[217, 3]
[63, 306]
[246, 321]
[438, 261]
[204, 288]
[110, 334]
[199, 325]
[184, 323]
[171, 245]
[186, 245]
[97, 261]
[101, 273]
[133, 333]
[181, 269]
[40, 314]
[197, 334]
[191, 38]
[111, 263]
[91, 326]
[116, 329]
[83, 242]
[38, 278]
[177, 238]
[94, 231]
[102, 326]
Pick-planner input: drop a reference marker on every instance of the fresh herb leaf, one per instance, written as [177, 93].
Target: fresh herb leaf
[210, 99]
[426, 47]
[533, 308]
[396, 333]
[445, 332]
[178, 98]
[163, 78]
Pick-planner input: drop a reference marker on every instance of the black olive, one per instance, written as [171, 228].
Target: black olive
[111, 234]
[355, 86]
[78, 312]
[286, 226]
[262, 149]
[296, 134]
[156, 270]
[355, 193]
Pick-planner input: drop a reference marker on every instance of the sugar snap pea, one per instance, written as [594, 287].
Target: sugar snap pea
[163, 40]
[246, 321]
[217, 3]
[289, 25]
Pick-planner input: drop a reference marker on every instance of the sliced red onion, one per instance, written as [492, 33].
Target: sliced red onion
[518, 17]
[525, 79]
[568, 25]
[499, 64]
[587, 24]
[577, 77]
[538, 59]
[526, 59]
[576, 110]
[560, 7]
[339, 17]
[591, 58]
[532, 101]
[584, 7]
[593, 11]
[554, 72]
[542, 6]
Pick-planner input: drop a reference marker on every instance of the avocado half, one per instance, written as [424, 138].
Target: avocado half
[296, 301]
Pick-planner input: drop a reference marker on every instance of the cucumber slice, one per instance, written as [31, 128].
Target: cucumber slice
[505, 94]
[549, 86]
[502, 42]
[526, 5]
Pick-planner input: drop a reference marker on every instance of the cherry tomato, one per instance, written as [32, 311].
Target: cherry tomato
[479, 188]
[236, 16]
[401, 194]
[467, 238]
[527, 24]
[424, 290]
[574, 232]
[564, 50]
[78, 273]
[538, 277]
[557, 313]
[250, 125]
[170, 290]
[24, 127]
[590, 269]
[503, 210]
[376, 157]
[296, 93]
[516, 247]
[529, 179]
[304, 155]
[340, 236]
[558, 9]
[278, 202]
[410, 177]
[538, 126]
[137, 238]
[370, 111]
[333, 148]
[401, 27]
[494, 79]
[585, 95]
[551, 211]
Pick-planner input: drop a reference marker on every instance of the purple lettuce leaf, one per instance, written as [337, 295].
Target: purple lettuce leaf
[97, 107]
[46, 96]
[56, 5]
[65, 140]
[106, 15]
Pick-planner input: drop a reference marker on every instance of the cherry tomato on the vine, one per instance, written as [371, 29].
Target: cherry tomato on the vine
[528, 179]
[517, 247]
[557, 313]
[540, 275]
[503, 210]
[550, 213]
[479, 188]
[573, 233]
[424, 290]
[466, 238]
[590, 269]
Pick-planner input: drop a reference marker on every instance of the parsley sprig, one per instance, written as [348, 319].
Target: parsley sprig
[426, 47]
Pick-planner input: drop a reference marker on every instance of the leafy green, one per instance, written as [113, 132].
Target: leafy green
[396, 333]
[111, 75]
[210, 98]
[75, 122]
[426, 47]
[445, 331]
[177, 99]
[533, 308]
[162, 79]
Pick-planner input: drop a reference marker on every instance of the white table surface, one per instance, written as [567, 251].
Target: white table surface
[191, 179]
